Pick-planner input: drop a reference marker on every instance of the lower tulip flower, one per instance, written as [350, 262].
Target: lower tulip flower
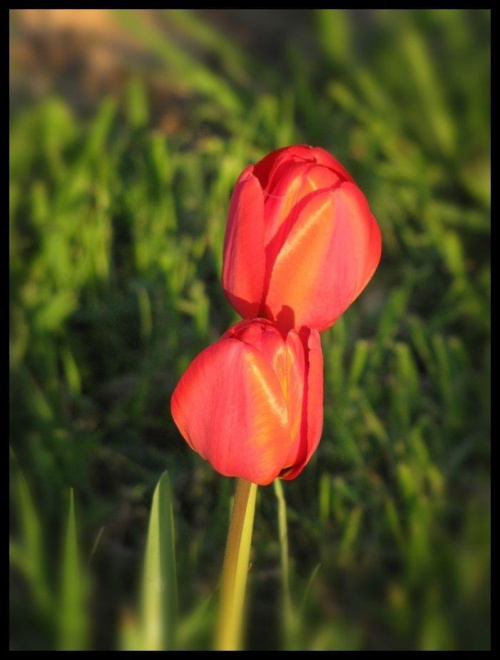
[252, 403]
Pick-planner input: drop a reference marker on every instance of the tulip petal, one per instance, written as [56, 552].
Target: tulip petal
[230, 408]
[295, 394]
[312, 406]
[244, 264]
[265, 337]
[265, 169]
[330, 255]
[324, 158]
[358, 245]
[294, 182]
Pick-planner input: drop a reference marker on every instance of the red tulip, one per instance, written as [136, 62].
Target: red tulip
[301, 243]
[252, 403]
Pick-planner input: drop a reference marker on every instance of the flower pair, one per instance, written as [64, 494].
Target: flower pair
[300, 246]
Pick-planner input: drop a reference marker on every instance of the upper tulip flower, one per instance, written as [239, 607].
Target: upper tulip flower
[252, 403]
[301, 243]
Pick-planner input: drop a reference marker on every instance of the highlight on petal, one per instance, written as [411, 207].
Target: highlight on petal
[244, 264]
[230, 408]
[329, 256]
[301, 274]
[294, 182]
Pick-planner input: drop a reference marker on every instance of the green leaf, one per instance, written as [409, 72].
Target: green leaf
[159, 582]
[28, 554]
[72, 615]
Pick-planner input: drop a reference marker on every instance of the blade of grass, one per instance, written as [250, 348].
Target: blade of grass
[72, 615]
[333, 27]
[191, 73]
[307, 590]
[159, 582]
[233, 58]
[197, 622]
[28, 555]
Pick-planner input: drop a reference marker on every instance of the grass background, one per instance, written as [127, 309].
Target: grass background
[118, 200]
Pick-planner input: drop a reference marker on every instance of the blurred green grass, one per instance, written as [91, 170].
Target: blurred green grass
[116, 234]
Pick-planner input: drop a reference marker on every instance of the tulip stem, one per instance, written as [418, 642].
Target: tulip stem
[235, 569]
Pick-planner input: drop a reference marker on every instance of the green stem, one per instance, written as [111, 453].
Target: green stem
[235, 570]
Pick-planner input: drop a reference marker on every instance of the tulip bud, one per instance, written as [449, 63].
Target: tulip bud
[301, 243]
[252, 403]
